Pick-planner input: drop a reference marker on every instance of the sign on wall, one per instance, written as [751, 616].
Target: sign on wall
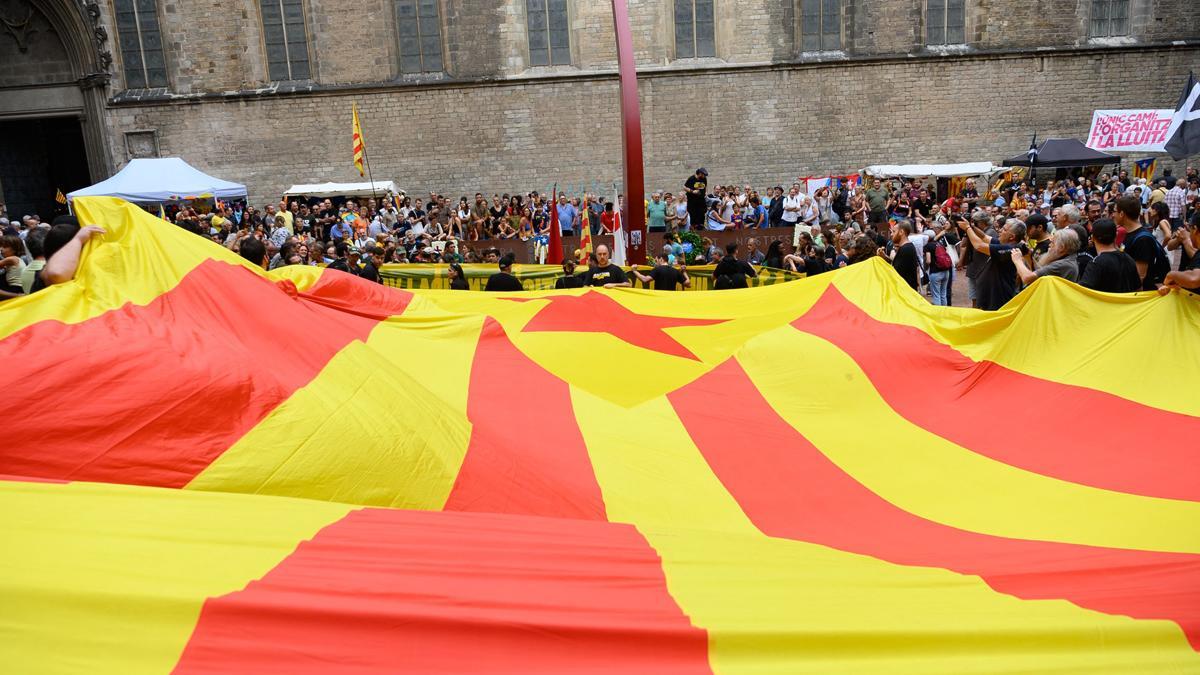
[1129, 130]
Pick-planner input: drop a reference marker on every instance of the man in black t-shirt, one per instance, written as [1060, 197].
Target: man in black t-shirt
[370, 270]
[503, 281]
[997, 283]
[605, 273]
[569, 279]
[731, 272]
[1140, 244]
[664, 277]
[1111, 271]
[904, 255]
[696, 189]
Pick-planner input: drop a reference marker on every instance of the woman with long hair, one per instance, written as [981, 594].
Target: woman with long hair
[458, 280]
[774, 256]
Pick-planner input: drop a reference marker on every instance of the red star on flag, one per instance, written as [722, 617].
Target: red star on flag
[597, 313]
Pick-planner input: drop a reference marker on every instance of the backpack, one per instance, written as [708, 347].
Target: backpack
[941, 257]
[1161, 265]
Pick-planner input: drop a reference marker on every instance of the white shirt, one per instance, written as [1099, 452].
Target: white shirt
[790, 202]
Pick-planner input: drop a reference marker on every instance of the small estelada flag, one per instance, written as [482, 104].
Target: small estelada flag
[360, 143]
[1144, 168]
[60, 197]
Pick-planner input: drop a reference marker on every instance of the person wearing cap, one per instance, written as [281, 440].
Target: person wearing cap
[504, 281]
[696, 189]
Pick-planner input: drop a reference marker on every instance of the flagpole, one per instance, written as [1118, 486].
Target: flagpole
[367, 160]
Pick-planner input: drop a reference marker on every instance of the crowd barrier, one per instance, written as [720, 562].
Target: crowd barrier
[540, 277]
[523, 250]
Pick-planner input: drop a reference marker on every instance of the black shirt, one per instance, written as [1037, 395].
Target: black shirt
[459, 284]
[906, 263]
[666, 278]
[1111, 272]
[370, 273]
[598, 276]
[732, 273]
[503, 282]
[1142, 247]
[931, 250]
[695, 202]
[573, 281]
[997, 283]
[814, 266]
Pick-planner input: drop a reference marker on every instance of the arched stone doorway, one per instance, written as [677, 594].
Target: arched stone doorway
[53, 85]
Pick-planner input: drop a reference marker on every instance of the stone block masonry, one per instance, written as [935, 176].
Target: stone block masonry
[762, 125]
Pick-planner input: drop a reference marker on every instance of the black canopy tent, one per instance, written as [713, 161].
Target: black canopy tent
[1062, 153]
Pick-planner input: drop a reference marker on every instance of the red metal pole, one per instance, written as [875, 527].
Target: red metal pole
[634, 211]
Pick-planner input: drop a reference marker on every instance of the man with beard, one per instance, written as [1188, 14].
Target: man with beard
[696, 189]
[997, 283]
[1058, 261]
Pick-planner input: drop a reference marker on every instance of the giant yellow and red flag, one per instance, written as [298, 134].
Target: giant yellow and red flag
[360, 143]
[220, 469]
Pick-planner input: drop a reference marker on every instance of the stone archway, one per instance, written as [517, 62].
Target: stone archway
[57, 66]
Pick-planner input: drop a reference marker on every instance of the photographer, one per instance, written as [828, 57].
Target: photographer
[997, 282]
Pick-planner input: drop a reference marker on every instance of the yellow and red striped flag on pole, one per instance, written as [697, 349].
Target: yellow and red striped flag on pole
[585, 236]
[60, 197]
[360, 143]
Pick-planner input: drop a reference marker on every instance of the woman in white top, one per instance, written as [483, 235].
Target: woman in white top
[11, 250]
[683, 220]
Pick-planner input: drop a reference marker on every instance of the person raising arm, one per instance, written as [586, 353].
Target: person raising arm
[64, 244]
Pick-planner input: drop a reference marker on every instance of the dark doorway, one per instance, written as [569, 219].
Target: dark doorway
[38, 157]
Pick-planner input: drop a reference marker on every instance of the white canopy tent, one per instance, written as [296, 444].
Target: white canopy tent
[322, 190]
[934, 170]
[164, 179]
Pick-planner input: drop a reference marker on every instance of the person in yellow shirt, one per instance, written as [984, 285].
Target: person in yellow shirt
[288, 217]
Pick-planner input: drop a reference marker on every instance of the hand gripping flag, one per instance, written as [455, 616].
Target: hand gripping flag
[300, 471]
[360, 143]
[1183, 135]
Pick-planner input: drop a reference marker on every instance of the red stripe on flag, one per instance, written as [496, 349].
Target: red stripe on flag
[150, 395]
[420, 592]
[526, 453]
[1148, 452]
[789, 489]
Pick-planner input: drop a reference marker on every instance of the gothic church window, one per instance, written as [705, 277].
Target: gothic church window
[1110, 18]
[420, 28]
[945, 22]
[549, 32]
[286, 40]
[694, 29]
[141, 44]
[821, 25]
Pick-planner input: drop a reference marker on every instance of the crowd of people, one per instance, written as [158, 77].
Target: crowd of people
[1109, 233]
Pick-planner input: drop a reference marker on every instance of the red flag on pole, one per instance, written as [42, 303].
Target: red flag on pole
[554, 256]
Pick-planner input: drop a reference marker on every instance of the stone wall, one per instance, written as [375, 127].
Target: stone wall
[756, 124]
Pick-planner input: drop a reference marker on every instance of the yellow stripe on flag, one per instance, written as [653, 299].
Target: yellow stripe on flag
[122, 593]
[404, 456]
[967, 490]
[780, 606]
[138, 259]
[1095, 348]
